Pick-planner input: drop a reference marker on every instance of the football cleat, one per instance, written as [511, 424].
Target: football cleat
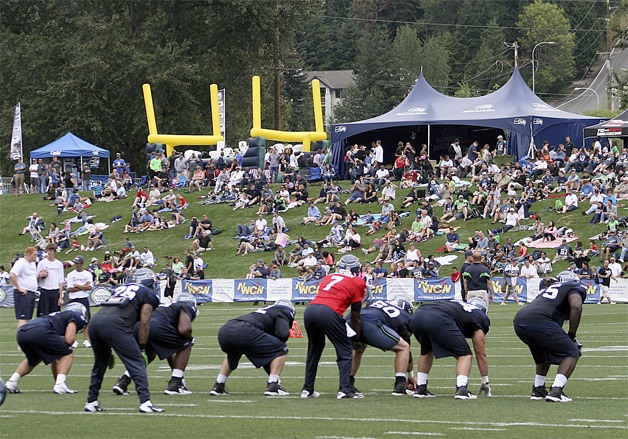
[463, 393]
[556, 395]
[93, 407]
[62, 388]
[275, 389]
[400, 389]
[75, 345]
[148, 407]
[12, 387]
[87, 344]
[349, 395]
[538, 393]
[122, 385]
[423, 392]
[309, 394]
[219, 390]
[176, 387]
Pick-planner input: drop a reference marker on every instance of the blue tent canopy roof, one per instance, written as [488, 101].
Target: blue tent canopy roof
[514, 107]
[69, 146]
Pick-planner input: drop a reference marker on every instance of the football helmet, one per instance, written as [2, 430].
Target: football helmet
[567, 276]
[286, 303]
[79, 308]
[479, 302]
[351, 263]
[402, 303]
[144, 276]
[3, 391]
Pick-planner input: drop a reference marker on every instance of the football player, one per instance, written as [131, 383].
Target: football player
[49, 339]
[261, 336]
[323, 317]
[170, 337]
[540, 326]
[442, 329]
[386, 325]
[112, 328]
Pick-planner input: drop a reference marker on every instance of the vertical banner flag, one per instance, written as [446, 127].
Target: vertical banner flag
[221, 111]
[16, 136]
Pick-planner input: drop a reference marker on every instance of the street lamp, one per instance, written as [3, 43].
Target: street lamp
[596, 95]
[533, 49]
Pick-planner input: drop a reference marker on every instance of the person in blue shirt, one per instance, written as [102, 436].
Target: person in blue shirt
[120, 165]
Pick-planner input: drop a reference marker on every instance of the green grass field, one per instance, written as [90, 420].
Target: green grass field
[598, 386]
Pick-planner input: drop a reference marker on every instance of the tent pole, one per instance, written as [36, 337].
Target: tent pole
[109, 161]
[429, 140]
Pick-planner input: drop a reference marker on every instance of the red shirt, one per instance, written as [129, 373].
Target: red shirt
[338, 291]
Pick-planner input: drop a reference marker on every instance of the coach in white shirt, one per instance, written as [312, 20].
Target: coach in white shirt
[24, 279]
[79, 283]
[50, 275]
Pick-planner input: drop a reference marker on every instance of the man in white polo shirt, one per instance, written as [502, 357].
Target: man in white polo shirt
[50, 275]
[23, 276]
[79, 284]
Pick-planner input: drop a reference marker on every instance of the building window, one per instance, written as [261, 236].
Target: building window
[337, 93]
[323, 96]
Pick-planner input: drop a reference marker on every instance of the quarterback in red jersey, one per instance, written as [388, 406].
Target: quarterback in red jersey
[324, 318]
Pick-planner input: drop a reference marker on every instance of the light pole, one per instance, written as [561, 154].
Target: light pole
[533, 49]
[597, 96]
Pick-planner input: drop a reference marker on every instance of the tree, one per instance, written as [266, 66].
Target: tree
[547, 22]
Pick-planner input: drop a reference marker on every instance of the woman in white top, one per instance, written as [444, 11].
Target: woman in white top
[413, 253]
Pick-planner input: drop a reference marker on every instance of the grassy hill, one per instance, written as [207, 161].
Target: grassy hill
[223, 263]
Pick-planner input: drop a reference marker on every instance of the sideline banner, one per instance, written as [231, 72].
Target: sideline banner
[298, 290]
[500, 290]
[426, 290]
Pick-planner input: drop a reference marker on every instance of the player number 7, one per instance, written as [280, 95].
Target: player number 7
[334, 280]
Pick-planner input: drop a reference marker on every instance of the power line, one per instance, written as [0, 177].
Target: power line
[425, 23]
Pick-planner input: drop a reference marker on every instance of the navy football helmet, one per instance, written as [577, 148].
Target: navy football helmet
[402, 303]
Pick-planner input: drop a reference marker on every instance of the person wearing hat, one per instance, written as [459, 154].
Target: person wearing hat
[79, 283]
[120, 165]
[500, 146]
[511, 273]
[50, 275]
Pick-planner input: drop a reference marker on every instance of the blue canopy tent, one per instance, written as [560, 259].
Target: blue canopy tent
[514, 107]
[71, 146]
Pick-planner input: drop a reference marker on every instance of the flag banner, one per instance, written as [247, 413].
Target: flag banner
[593, 290]
[16, 136]
[246, 290]
[221, 111]
[433, 289]
[99, 294]
[304, 290]
[499, 288]
[199, 289]
[6, 297]
[379, 290]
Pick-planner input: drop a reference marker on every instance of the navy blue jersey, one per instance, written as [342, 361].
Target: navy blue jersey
[124, 305]
[57, 321]
[552, 303]
[467, 317]
[380, 312]
[169, 313]
[274, 320]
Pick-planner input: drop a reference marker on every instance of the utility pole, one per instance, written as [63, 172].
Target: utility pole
[609, 80]
[277, 70]
[514, 46]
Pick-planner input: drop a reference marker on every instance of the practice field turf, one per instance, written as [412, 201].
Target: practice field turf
[599, 388]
